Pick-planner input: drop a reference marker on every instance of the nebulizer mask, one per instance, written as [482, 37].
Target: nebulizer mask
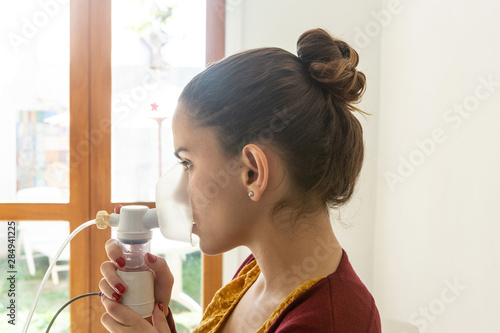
[173, 216]
[173, 206]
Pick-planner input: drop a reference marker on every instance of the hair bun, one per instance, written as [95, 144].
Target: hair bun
[332, 62]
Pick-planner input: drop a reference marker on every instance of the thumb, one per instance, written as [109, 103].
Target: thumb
[159, 319]
[164, 279]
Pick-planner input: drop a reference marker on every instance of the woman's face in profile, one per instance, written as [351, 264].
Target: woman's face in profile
[216, 187]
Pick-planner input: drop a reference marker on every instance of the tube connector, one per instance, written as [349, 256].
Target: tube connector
[102, 219]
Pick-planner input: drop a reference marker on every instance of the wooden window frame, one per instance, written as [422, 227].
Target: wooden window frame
[90, 156]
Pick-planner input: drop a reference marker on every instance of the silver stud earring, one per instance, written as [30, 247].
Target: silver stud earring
[250, 194]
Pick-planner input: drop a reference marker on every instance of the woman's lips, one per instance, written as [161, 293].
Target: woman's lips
[195, 220]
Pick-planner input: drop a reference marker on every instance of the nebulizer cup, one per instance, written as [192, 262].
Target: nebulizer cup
[134, 239]
[138, 278]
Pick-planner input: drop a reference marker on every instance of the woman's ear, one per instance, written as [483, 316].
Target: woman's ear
[256, 170]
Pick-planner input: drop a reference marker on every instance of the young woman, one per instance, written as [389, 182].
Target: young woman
[270, 143]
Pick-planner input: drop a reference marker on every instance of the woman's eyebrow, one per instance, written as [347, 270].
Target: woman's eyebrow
[176, 152]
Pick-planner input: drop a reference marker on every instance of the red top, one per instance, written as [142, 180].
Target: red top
[339, 303]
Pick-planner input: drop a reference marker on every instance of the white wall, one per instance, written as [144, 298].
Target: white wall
[260, 23]
[436, 251]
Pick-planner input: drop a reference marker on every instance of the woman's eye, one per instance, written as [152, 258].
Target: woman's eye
[186, 165]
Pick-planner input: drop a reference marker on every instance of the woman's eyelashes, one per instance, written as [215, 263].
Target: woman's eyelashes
[187, 165]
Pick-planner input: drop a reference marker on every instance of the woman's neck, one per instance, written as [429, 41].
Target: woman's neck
[290, 256]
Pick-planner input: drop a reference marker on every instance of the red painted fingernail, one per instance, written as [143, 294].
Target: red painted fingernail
[116, 297]
[160, 305]
[121, 262]
[151, 257]
[120, 288]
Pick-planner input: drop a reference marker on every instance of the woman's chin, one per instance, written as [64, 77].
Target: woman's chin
[209, 251]
[209, 248]
[208, 245]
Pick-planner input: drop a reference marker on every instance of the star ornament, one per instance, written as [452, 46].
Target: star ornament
[154, 107]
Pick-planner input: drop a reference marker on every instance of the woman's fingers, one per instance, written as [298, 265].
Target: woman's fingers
[119, 316]
[117, 208]
[164, 279]
[114, 252]
[109, 323]
[159, 318]
[110, 292]
[108, 270]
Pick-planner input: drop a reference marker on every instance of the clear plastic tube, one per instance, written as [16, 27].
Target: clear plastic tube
[134, 254]
[49, 271]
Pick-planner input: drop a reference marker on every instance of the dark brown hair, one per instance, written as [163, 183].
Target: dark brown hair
[301, 106]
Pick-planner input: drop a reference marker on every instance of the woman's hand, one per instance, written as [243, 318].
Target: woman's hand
[119, 318]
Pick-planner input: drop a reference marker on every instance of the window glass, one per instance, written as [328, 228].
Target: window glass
[34, 100]
[25, 255]
[157, 47]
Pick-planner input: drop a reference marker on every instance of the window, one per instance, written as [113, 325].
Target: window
[61, 109]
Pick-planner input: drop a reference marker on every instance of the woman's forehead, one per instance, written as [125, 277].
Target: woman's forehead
[192, 139]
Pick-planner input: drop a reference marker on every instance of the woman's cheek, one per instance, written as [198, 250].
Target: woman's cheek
[198, 200]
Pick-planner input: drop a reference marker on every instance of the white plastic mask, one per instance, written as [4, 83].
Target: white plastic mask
[173, 205]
